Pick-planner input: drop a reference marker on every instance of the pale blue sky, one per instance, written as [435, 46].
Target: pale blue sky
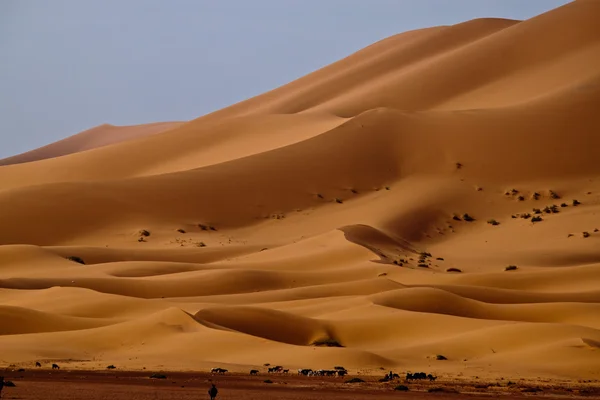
[68, 65]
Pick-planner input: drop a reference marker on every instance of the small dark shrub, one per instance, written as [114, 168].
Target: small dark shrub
[535, 196]
[212, 228]
[569, 235]
[526, 216]
[354, 191]
[327, 342]
[425, 254]
[144, 233]
[468, 218]
[456, 218]
[511, 268]
[440, 259]
[537, 211]
[453, 270]
[458, 165]
[158, 376]
[181, 230]
[576, 202]
[354, 380]
[111, 367]
[203, 227]
[423, 265]
[319, 195]
[536, 219]
[586, 234]
[563, 205]
[268, 381]
[339, 201]
[440, 357]
[493, 222]
[402, 388]
[75, 259]
[521, 198]
[553, 195]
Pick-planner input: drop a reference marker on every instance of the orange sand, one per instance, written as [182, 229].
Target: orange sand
[323, 194]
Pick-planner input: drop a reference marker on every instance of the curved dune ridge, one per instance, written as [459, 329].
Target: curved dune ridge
[436, 193]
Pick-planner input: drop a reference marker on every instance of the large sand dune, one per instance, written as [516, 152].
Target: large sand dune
[323, 223]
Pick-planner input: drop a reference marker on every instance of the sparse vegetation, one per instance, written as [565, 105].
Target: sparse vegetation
[354, 191]
[201, 244]
[553, 195]
[526, 216]
[456, 218]
[596, 230]
[468, 218]
[268, 381]
[535, 196]
[424, 254]
[537, 211]
[75, 259]
[111, 367]
[402, 388]
[576, 202]
[563, 205]
[355, 380]
[339, 201]
[387, 188]
[440, 357]
[536, 219]
[203, 227]
[521, 198]
[453, 270]
[493, 222]
[212, 228]
[327, 342]
[585, 234]
[319, 195]
[440, 259]
[181, 230]
[458, 165]
[511, 268]
[422, 265]
[158, 376]
[144, 233]
[570, 235]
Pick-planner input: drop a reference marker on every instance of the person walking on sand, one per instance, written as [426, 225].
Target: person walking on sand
[212, 392]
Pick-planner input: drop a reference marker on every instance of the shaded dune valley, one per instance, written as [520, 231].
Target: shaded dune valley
[429, 203]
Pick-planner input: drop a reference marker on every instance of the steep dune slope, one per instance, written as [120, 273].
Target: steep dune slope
[363, 215]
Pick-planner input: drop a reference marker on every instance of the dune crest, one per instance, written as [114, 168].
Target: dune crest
[434, 194]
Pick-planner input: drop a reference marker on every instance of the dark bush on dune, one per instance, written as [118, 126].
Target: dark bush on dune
[158, 376]
[401, 388]
[75, 259]
[354, 380]
[327, 342]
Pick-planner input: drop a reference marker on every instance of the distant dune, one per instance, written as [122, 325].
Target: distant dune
[434, 194]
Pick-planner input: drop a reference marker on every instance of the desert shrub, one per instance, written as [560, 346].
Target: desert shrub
[537, 211]
[203, 227]
[536, 219]
[442, 390]
[456, 218]
[354, 380]
[387, 188]
[402, 388]
[586, 234]
[458, 165]
[201, 244]
[468, 218]
[111, 367]
[493, 222]
[212, 228]
[596, 230]
[268, 381]
[424, 254]
[535, 196]
[144, 233]
[521, 198]
[326, 342]
[526, 216]
[158, 376]
[511, 268]
[181, 230]
[354, 191]
[319, 195]
[553, 195]
[422, 265]
[339, 201]
[440, 357]
[570, 235]
[576, 202]
[75, 259]
[440, 259]
[563, 205]
[453, 270]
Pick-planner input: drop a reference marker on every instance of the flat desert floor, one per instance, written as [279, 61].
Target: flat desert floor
[430, 203]
[43, 385]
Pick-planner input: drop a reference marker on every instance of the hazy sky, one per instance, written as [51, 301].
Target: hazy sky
[68, 65]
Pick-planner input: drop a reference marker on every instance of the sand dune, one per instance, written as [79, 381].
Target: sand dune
[363, 215]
